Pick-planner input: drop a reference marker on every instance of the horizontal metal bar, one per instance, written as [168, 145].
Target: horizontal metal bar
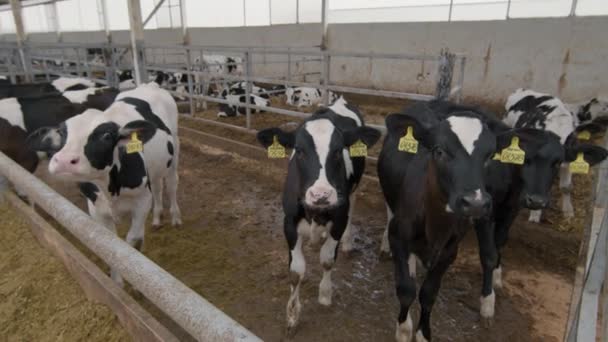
[193, 313]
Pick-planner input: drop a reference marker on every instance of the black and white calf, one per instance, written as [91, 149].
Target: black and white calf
[239, 88]
[226, 110]
[513, 187]
[431, 195]
[528, 108]
[24, 115]
[306, 97]
[91, 148]
[35, 89]
[319, 190]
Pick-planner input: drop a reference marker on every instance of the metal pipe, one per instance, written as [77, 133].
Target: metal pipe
[21, 37]
[508, 8]
[196, 315]
[245, 14]
[573, 8]
[154, 10]
[270, 12]
[324, 14]
[451, 7]
[247, 57]
[297, 11]
[137, 39]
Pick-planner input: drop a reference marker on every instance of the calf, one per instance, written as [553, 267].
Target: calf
[515, 186]
[528, 108]
[306, 97]
[319, 190]
[231, 110]
[433, 185]
[240, 89]
[121, 157]
[35, 89]
[22, 116]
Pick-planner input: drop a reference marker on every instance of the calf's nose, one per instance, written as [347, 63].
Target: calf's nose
[476, 203]
[64, 162]
[535, 202]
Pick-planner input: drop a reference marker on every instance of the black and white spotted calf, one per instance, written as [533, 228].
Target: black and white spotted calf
[306, 96]
[431, 196]
[230, 110]
[513, 187]
[318, 196]
[36, 89]
[239, 88]
[24, 115]
[91, 148]
[528, 108]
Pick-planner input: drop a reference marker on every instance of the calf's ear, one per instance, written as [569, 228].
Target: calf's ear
[266, 137]
[368, 135]
[41, 141]
[145, 130]
[397, 126]
[593, 154]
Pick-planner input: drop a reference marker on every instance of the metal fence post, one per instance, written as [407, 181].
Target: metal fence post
[190, 76]
[463, 61]
[289, 64]
[248, 74]
[445, 74]
[325, 77]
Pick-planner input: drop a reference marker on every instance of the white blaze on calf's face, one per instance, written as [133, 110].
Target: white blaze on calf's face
[71, 162]
[467, 130]
[321, 132]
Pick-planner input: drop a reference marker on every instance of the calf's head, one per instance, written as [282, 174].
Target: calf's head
[544, 156]
[320, 159]
[458, 147]
[87, 145]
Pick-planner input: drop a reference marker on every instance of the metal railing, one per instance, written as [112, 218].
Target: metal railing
[590, 292]
[193, 313]
[287, 66]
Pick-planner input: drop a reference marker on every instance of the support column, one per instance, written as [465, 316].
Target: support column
[137, 40]
[21, 39]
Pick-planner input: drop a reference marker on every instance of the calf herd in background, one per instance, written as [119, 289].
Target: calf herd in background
[443, 168]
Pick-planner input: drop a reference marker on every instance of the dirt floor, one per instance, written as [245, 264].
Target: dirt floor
[39, 301]
[232, 251]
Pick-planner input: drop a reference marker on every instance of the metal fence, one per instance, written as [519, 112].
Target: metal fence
[193, 313]
[286, 66]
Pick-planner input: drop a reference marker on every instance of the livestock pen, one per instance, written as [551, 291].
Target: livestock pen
[230, 251]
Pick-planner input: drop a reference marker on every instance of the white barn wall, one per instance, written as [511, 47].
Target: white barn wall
[564, 56]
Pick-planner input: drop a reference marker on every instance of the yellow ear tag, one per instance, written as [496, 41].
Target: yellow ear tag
[496, 156]
[408, 143]
[579, 165]
[513, 154]
[135, 145]
[358, 149]
[276, 150]
[584, 135]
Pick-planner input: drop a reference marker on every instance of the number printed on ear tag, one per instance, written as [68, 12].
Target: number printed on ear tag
[358, 149]
[584, 135]
[513, 154]
[579, 165]
[408, 143]
[276, 150]
[134, 145]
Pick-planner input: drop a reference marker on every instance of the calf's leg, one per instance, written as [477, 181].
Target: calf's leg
[430, 288]
[348, 238]
[405, 283]
[385, 247]
[565, 186]
[488, 257]
[297, 269]
[172, 182]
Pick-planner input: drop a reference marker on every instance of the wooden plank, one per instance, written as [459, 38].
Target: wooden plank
[95, 283]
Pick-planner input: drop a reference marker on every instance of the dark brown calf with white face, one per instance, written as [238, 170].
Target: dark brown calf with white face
[431, 196]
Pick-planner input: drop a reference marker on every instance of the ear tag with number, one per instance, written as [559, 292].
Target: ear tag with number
[579, 165]
[513, 154]
[276, 150]
[358, 149]
[584, 135]
[134, 145]
[408, 143]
